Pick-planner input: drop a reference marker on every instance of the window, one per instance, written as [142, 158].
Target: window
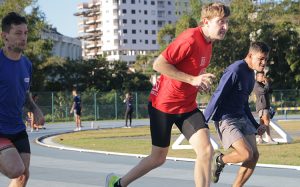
[146, 41]
[132, 11]
[146, 31]
[125, 41]
[124, 31]
[153, 41]
[169, 3]
[132, 1]
[146, 22]
[145, 2]
[145, 12]
[124, 21]
[124, 11]
[133, 31]
[124, 1]
[153, 22]
[133, 21]
[152, 2]
[134, 41]
[153, 31]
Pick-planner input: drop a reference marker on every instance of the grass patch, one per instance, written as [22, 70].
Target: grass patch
[138, 141]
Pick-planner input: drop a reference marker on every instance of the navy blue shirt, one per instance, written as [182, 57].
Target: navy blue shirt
[231, 97]
[77, 102]
[15, 78]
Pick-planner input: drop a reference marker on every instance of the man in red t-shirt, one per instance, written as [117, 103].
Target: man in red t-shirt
[173, 98]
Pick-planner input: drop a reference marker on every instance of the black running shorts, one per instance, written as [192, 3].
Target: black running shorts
[20, 141]
[161, 124]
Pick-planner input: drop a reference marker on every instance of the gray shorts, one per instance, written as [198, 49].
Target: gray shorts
[232, 129]
[264, 112]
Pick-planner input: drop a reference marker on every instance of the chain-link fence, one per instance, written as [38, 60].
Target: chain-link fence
[109, 105]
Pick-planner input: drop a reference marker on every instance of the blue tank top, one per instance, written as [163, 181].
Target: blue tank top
[15, 77]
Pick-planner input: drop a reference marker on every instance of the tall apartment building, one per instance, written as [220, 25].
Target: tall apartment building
[123, 29]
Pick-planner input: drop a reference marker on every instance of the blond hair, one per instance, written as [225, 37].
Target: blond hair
[213, 10]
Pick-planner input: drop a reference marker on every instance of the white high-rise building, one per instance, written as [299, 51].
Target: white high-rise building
[123, 29]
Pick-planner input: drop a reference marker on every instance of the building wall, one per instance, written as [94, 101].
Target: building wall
[127, 27]
[64, 46]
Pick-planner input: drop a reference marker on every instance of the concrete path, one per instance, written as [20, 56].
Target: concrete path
[63, 168]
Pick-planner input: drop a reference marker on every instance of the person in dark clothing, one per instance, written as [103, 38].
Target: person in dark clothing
[235, 124]
[129, 109]
[76, 108]
[262, 92]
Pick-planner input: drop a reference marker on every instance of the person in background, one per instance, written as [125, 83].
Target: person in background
[262, 92]
[129, 109]
[173, 98]
[235, 124]
[30, 116]
[15, 79]
[76, 109]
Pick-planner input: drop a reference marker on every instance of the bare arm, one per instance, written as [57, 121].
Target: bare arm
[203, 81]
[72, 108]
[37, 113]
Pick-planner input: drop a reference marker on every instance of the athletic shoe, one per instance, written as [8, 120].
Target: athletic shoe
[111, 179]
[216, 167]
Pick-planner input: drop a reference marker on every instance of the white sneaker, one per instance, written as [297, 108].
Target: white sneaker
[76, 129]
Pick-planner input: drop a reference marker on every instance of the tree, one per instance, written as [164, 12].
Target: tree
[165, 35]
[144, 63]
[278, 24]
[284, 56]
[185, 22]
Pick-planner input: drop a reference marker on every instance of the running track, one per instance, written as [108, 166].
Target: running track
[52, 167]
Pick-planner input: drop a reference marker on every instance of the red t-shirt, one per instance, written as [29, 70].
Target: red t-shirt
[189, 53]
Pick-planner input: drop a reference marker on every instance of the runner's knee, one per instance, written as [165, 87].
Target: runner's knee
[158, 158]
[204, 152]
[246, 155]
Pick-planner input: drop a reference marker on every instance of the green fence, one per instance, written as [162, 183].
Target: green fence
[109, 105]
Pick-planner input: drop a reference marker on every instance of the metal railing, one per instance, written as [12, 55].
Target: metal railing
[109, 105]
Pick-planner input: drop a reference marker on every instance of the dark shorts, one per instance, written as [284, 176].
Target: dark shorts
[77, 111]
[161, 125]
[20, 141]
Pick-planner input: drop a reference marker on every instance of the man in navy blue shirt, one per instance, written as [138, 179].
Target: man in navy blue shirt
[229, 108]
[76, 108]
[15, 78]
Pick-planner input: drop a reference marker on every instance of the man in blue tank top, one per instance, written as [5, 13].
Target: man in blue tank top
[235, 124]
[15, 78]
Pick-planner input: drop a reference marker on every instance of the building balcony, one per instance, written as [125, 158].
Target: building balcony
[82, 6]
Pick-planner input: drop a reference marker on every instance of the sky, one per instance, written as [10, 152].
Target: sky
[59, 13]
